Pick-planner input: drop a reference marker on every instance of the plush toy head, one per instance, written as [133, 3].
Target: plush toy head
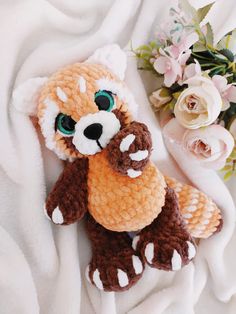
[82, 106]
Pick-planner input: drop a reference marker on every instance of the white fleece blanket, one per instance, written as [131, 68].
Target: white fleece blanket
[42, 265]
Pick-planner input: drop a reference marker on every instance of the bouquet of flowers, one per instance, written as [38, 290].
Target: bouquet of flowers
[199, 85]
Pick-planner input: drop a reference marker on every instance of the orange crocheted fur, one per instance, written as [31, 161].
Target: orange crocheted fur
[85, 112]
[136, 205]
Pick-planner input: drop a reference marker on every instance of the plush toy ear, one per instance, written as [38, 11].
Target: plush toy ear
[25, 96]
[113, 57]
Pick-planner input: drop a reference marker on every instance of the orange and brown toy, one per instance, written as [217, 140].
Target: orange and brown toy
[87, 116]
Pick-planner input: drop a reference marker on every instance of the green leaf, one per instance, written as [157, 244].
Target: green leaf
[171, 104]
[198, 47]
[145, 55]
[220, 70]
[226, 168]
[144, 47]
[228, 54]
[176, 95]
[209, 35]
[202, 13]
[228, 175]
[188, 9]
[233, 154]
[153, 44]
[164, 92]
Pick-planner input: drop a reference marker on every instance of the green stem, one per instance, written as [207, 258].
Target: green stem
[199, 56]
[209, 64]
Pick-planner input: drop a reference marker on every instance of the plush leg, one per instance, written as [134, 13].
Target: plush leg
[166, 244]
[114, 265]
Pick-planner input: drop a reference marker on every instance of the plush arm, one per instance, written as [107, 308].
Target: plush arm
[129, 150]
[67, 202]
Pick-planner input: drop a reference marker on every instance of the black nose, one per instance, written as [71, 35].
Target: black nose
[93, 131]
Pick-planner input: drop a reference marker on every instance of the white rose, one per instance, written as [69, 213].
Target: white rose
[211, 146]
[198, 105]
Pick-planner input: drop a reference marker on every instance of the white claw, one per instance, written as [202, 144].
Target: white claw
[139, 155]
[134, 173]
[137, 264]
[57, 216]
[176, 261]
[122, 278]
[191, 250]
[135, 242]
[149, 252]
[126, 142]
[97, 280]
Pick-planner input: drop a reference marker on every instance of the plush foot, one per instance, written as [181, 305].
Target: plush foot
[114, 265]
[166, 244]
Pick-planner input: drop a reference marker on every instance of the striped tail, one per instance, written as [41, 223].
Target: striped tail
[202, 216]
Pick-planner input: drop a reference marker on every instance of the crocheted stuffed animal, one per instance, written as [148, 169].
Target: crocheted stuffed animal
[86, 114]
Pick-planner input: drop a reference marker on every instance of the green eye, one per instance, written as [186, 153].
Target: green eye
[104, 100]
[65, 124]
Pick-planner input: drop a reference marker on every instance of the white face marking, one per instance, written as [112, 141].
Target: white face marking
[176, 261]
[97, 279]
[45, 212]
[126, 142]
[61, 94]
[122, 278]
[133, 173]
[135, 242]
[82, 84]
[191, 250]
[149, 252]
[137, 264]
[110, 127]
[47, 123]
[139, 155]
[57, 216]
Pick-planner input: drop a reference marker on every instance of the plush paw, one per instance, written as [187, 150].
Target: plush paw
[129, 151]
[54, 215]
[165, 254]
[166, 243]
[115, 273]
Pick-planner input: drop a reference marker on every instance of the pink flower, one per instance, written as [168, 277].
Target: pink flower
[176, 50]
[227, 91]
[191, 70]
[209, 146]
[169, 67]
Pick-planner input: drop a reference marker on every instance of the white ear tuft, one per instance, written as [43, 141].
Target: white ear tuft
[113, 57]
[25, 96]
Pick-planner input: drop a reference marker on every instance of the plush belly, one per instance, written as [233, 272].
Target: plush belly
[120, 203]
